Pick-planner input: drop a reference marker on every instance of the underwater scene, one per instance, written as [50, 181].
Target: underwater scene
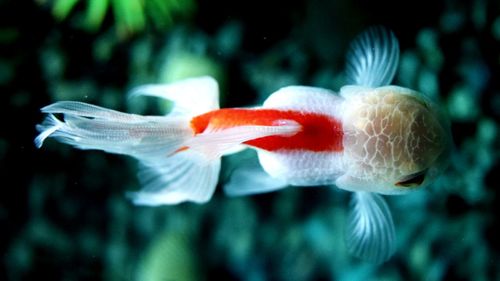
[250, 140]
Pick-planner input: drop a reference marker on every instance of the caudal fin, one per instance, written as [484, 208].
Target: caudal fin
[167, 177]
[87, 126]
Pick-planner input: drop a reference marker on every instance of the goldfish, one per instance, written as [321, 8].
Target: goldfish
[371, 139]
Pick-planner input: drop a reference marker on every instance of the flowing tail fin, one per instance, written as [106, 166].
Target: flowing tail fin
[167, 177]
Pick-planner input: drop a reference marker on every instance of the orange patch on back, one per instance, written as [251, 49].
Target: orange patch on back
[319, 132]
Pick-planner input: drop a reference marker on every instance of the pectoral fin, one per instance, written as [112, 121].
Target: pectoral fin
[370, 233]
[373, 58]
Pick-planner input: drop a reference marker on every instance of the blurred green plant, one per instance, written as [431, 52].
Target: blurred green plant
[130, 16]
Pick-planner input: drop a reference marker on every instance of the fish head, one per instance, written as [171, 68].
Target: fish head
[395, 140]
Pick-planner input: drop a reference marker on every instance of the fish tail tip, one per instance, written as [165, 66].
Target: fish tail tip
[47, 128]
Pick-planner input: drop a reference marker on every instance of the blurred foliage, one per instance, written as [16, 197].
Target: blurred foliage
[170, 257]
[130, 16]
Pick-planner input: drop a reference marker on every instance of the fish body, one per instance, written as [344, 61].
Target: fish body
[371, 138]
[307, 154]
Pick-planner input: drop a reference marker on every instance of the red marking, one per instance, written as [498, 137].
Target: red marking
[182, 148]
[319, 132]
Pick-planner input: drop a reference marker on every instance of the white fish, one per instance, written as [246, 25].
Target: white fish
[370, 139]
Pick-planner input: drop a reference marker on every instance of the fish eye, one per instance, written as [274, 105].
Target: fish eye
[413, 180]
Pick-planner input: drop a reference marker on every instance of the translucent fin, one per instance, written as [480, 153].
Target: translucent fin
[373, 58]
[215, 142]
[249, 178]
[168, 176]
[88, 126]
[370, 233]
[191, 96]
[47, 128]
[184, 176]
[92, 111]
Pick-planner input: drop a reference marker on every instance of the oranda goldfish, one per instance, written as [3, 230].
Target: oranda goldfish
[370, 139]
